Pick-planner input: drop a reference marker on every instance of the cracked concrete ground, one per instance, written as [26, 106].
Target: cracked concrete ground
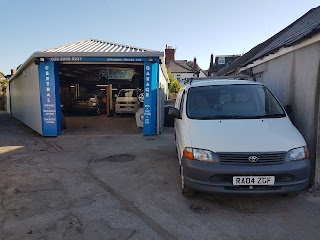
[126, 186]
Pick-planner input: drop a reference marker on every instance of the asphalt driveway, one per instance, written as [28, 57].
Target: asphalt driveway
[126, 186]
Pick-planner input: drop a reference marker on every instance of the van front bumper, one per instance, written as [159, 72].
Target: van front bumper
[217, 177]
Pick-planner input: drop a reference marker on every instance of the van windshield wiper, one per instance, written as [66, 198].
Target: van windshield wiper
[222, 117]
[275, 115]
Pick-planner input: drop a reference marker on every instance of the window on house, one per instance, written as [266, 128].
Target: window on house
[221, 61]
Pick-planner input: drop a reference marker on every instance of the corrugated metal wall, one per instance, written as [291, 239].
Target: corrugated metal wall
[25, 98]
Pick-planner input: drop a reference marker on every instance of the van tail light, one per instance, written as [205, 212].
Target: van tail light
[187, 152]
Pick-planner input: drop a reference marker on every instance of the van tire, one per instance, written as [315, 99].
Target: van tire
[188, 192]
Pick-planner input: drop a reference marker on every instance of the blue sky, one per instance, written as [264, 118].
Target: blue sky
[196, 28]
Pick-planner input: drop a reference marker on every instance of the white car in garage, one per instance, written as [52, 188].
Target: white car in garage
[127, 101]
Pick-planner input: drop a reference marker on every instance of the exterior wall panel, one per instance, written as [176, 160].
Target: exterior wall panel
[25, 98]
[294, 78]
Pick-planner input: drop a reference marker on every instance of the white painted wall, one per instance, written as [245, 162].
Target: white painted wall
[295, 79]
[25, 98]
[183, 76]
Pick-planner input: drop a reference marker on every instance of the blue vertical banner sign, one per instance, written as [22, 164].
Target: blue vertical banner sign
[49, 98]
[150, 98]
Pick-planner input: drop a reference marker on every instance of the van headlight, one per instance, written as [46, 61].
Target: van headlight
[200, 155]
[297, 154]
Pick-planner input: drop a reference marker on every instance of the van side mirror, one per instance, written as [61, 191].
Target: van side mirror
[174, 112]
[288, 109]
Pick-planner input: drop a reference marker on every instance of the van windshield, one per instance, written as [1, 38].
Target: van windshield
[232, 102]
[128, 93]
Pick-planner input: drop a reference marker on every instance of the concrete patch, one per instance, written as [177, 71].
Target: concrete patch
[117, 158]
[37, 188]
[199, 208]
[101, 230]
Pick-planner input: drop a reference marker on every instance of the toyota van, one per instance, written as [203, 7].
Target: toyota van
[233, 136]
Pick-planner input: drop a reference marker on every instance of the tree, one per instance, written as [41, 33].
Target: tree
[3, 85]
[3, 82]
[174, 84]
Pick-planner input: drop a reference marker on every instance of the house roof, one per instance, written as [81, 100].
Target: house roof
[180, 66]
[183, 66]
[304, 27]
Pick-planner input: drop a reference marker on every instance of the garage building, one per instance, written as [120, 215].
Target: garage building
[55, 77]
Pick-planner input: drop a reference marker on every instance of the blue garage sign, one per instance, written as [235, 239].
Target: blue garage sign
[49, 99]
[150, 97]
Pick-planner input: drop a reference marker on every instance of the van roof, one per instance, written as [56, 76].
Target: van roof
[212, 81]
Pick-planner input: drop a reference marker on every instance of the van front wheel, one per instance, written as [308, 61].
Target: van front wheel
[291, 194]
[188, 192]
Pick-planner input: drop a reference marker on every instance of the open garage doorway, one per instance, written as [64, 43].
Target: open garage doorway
[101, 97]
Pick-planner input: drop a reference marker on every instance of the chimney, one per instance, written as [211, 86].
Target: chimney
[210, 66]
[13, 72]
[195, 67]
[211, 60]
[169, 53]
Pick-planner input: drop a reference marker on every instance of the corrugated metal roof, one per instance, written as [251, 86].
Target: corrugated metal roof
[91, 48]
[304, 27]
[96, 46]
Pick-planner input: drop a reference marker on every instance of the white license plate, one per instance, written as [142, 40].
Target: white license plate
[253, 180]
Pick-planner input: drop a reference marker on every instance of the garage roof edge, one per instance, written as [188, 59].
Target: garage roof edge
[88, 54]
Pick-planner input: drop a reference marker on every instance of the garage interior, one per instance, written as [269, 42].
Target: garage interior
[105, 80]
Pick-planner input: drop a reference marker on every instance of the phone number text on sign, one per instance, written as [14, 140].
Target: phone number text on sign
[66, 59]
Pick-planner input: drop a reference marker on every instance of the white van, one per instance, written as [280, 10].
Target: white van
[127, 101]
[233, 136]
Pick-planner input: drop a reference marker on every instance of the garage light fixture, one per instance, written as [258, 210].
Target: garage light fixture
[102, 85]
[72, 86]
